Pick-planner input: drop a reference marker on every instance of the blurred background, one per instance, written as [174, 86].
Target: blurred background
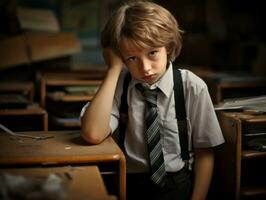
[219, 34]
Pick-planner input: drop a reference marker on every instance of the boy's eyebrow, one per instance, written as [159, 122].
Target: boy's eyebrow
[128, 56]
[125, 56]
[144, 49]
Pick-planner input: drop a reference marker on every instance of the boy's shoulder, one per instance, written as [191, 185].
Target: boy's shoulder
[191, 80]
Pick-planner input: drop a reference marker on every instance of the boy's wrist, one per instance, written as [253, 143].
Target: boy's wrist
[116, 66]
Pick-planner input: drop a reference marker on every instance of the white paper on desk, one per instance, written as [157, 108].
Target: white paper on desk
[37, 19]
[253, 103]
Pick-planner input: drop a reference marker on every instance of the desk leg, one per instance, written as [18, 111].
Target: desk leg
[122, 178]
[45, 122]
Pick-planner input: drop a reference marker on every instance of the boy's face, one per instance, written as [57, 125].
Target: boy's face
[146, 65]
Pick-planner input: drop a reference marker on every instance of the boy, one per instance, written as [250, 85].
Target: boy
[146, 38]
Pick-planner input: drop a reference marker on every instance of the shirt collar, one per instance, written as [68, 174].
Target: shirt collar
[165, 83]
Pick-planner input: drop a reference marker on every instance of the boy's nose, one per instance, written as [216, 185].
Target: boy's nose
[145, 66]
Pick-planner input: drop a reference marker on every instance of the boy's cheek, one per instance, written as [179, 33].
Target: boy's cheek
[129, 67]
[134, 72]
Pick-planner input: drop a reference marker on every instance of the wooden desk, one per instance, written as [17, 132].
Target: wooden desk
[67, 147]
[64, 94]
[80, 182]
[25, 88]
[15, 119]
[240, 171]
[229, 86]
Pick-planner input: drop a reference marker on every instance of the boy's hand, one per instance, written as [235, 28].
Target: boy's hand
[112, 59]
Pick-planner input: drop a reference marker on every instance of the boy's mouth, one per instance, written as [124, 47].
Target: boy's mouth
[149, 78]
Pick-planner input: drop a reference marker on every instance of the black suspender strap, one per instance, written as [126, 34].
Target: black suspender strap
[123, 110]
[181, 113]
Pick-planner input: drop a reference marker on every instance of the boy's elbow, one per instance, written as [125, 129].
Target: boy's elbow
[92, 137]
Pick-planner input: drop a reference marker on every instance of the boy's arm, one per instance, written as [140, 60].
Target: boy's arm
[95, 121]
[203, 169]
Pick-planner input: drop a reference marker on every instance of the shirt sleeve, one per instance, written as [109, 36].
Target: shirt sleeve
[83, 109]
[206, 131]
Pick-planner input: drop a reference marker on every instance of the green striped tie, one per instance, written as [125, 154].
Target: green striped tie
[153, 136]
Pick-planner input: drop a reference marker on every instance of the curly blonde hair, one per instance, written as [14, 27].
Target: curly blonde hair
[145, 24]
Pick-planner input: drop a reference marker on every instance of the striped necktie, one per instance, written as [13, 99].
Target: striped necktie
[157, 167]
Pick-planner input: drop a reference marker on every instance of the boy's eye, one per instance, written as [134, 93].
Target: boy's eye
[130, 59]
[153, 53]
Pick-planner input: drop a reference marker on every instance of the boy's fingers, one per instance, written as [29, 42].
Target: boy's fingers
[111, 58]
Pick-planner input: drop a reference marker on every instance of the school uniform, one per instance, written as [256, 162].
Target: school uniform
[203, 128]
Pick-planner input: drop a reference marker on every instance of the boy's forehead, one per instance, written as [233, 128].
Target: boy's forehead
[128, 46]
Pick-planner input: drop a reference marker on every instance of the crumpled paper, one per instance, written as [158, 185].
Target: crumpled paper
[17, 187]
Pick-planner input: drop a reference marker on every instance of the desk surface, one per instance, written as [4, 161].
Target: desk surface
[66, 147]
[31, 118]
[80, 182]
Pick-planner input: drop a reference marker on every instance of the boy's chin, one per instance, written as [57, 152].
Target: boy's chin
[151, 82]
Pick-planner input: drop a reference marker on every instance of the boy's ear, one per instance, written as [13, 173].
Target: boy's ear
[168, 50]
[168, 54]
